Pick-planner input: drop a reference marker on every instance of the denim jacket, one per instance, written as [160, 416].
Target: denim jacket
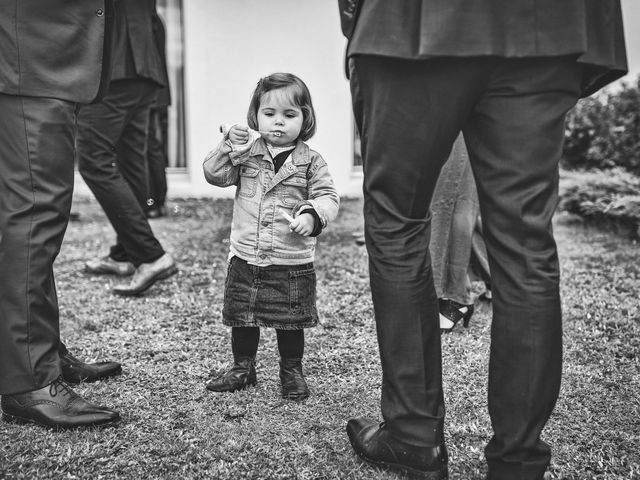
[259, 232]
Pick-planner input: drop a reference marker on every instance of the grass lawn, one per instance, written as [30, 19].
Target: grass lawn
[171, 339]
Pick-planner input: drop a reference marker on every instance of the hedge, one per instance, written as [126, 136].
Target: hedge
[603, 131]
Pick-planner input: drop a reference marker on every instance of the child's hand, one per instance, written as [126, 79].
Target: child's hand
[303, 224]
[239, 135]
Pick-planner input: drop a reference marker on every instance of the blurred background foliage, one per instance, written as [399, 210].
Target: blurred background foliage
[601, 158]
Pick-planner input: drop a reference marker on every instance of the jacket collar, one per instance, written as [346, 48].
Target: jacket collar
[299, 156]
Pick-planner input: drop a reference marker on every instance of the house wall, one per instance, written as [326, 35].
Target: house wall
[231, 44]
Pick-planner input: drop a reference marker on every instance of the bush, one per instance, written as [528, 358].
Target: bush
[603, 132]
[610, 197]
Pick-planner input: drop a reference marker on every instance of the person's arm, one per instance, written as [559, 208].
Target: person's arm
[221, 165]
[324, 201]
[349, 10]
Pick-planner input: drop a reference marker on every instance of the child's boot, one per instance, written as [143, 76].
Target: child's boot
[241, 375]
[294, 386]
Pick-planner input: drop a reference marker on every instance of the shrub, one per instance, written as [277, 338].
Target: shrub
[611, 196]
[604, 131]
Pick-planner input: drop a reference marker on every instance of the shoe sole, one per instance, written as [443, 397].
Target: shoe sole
[441, 475]
[296, 398]
[244, 387]
[161, 276]
[447, 320]
[105, 271]
[9, 418]
[411, 472]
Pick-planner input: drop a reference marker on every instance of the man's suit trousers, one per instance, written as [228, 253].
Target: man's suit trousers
[36, 186]
[511, 112]
[112, 142]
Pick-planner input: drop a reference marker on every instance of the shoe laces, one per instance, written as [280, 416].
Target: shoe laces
[60, 386]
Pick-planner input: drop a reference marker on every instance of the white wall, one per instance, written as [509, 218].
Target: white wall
[631, 18]
[230, 44]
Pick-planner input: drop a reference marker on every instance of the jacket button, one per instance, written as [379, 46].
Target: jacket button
[263, 256]
[265, 223]
[99, 12]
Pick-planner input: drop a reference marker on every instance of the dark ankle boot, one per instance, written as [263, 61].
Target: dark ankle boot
[241, 375]
[294, 386]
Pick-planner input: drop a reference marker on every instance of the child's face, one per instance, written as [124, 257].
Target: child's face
[279, 117]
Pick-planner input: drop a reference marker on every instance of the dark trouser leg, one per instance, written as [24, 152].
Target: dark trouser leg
[156, 158]
[407, 127]
[111, 159]
[515, 139]
[36, 185]
[513, 115]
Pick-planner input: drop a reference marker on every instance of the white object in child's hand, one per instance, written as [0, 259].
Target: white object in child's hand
[275, 134]
[286, 216]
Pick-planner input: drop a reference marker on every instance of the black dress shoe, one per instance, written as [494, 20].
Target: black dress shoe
[240, 376]
[294, 386]
[57, 406]
[146, 275]
[373, 443]
[75, 371]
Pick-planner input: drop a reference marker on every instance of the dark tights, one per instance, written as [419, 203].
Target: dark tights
[244, 342]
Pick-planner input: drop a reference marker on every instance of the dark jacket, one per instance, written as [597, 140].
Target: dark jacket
[419, 29]
[164, 94]
[136, 53]
[53, 48]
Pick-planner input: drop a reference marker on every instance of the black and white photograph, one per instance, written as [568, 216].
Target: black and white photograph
[320, 239]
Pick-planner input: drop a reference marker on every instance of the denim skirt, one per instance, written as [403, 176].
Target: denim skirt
[275, 296]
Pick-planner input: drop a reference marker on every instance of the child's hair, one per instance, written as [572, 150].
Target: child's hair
[300, 97]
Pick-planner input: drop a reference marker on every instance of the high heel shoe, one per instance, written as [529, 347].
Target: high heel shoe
[452, 312]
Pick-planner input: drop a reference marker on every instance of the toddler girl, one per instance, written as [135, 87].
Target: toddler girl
[284, 198]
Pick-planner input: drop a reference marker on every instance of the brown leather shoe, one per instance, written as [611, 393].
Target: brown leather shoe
[240, 376]
[294, 386]
[373, 443]
[76, 371]
[109, 266]
[57, 406]
[146, 275]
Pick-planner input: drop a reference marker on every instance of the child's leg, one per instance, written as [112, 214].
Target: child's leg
[244, 345]
[291, 348]
[290, 343]
[244, 341]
